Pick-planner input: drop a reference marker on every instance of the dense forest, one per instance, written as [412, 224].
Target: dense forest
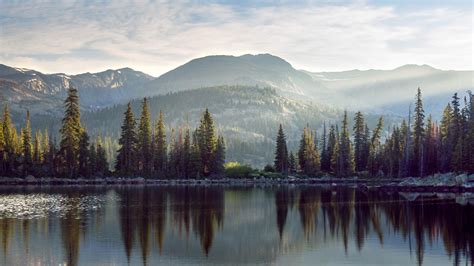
[418, 147]
[147, 147]
[143, 148]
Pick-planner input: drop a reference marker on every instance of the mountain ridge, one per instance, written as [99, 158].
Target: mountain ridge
[351, 89]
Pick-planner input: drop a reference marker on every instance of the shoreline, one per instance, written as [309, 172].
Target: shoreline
[454, 184]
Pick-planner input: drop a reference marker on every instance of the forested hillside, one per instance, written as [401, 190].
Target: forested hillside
[246, 116]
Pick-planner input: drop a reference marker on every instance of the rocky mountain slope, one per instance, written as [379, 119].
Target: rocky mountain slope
[43, 93]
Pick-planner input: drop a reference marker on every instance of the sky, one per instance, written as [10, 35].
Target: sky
[156, 36]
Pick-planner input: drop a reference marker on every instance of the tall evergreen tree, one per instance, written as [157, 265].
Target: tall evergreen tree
[71, 131]
[37, 148]
[195, 165]
[27, 148]
[373, 163]
[360, 142]
[325, 156]
[292, 164]
[92, 164]
[160, 156]
[430, 153]
[52, 165]
[281, 152]
[394, 152]
[456, 134]
[173, 156]
[126, 162]
[308, 154]
[187, 153]
[346, 156]
[220, 156]
[418, 136]
[333, 149]
[470, 135]
[207, 142]
[144, 141]
[9, 142]
[446, 139]
[84, 155]
[102, 167]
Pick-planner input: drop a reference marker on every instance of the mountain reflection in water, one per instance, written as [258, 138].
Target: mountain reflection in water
[230, 225]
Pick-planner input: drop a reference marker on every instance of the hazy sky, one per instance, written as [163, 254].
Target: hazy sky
[155, 37]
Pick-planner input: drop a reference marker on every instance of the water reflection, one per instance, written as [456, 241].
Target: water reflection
[181, 224]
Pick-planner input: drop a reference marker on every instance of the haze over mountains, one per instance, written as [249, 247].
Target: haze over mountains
[378, 91]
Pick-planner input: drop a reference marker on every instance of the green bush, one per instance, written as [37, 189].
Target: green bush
[269, 168]
[236, 170]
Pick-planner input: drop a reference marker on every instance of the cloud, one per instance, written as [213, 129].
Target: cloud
[155, 37]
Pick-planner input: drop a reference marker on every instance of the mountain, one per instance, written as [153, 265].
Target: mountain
[263, 70]
[44, 93]
[391, 91]
[375, 91]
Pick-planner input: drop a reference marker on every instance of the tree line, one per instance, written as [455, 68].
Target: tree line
[143, 148]
[417, 147]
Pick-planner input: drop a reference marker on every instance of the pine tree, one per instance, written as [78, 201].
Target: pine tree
[37, 153]
[92, 159]
[52, 159]
[395, 152]
[45, 150]
[460, 156]
[207, 142]
[431, 148]
[470, 135]
[71, 131]
[27, 148]
[126, 162]
[84, 155]
[418, 135]
[281, 152]
[160, 156]
[456, 135]
[333, 149]
[360, 143]
[373, 164]
[173, 156]
[144, 141]
[102, 167]
[325, 156]
[292, 164]
[308, 154]
[187, 153]
[220, 156]
[446, 139]
[346, 156]
[195, 165]
[9, 142]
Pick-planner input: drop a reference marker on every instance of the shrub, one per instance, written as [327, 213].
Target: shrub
[269, 168]
[236, 170]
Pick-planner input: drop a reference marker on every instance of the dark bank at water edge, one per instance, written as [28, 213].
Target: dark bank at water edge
[449, 182]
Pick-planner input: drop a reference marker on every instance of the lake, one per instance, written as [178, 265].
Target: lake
[219, 225]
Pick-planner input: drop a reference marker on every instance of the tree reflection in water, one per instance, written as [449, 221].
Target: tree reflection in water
[282, 220]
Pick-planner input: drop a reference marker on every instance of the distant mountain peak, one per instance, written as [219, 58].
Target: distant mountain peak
[412, 67]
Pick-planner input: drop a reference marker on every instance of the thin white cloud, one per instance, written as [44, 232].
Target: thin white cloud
[156, 37]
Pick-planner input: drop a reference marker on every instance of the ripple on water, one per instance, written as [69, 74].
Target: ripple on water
[32, 206]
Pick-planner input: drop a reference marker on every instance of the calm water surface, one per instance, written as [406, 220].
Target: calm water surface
[285, 225]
